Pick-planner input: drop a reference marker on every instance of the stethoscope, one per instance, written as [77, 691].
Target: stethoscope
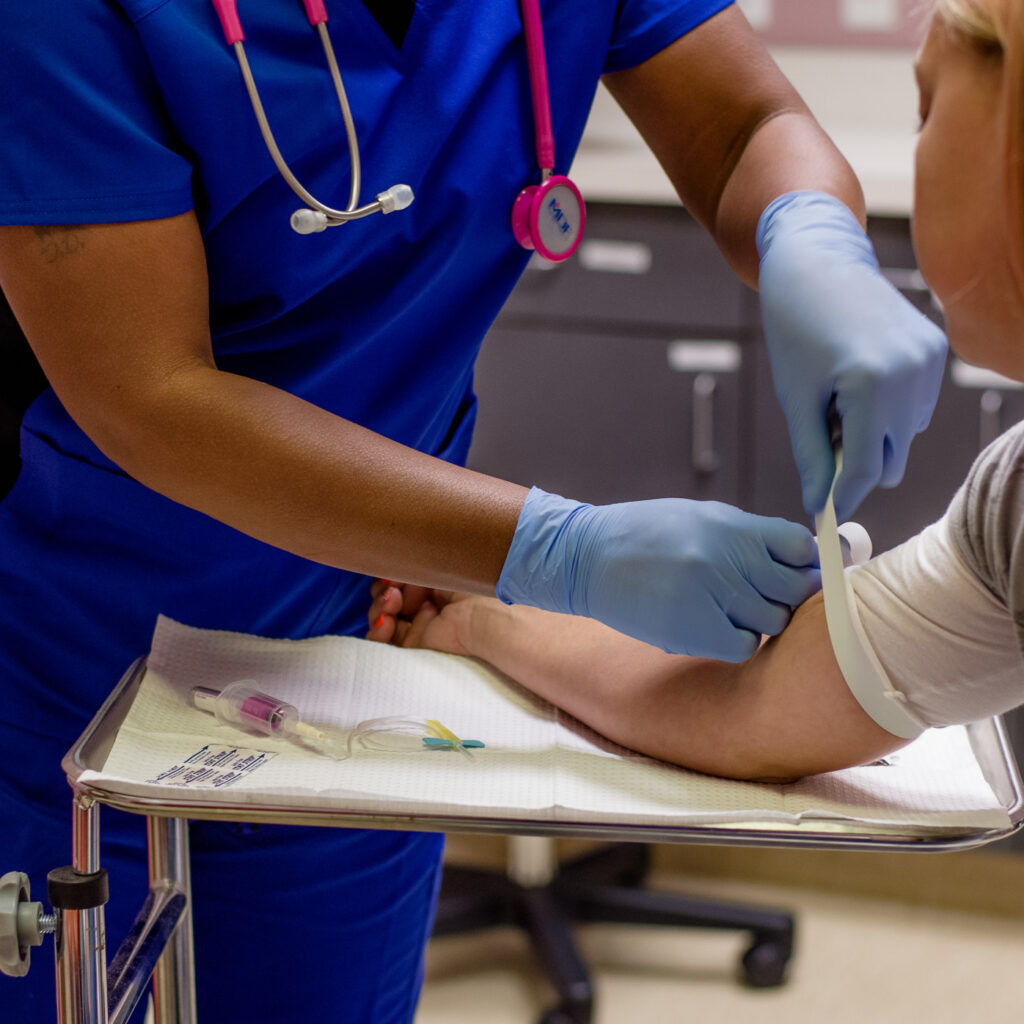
[548, 217]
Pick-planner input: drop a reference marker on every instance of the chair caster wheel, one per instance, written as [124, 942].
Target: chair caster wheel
[764, 964]
[637, 868]
[560, 1016]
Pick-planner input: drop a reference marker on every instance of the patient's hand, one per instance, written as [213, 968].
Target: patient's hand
[411, 616]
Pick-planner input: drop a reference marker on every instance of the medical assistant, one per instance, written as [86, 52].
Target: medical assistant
[123, 110]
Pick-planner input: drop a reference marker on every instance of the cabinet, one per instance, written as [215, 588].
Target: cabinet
[571, 393]
[621, 374]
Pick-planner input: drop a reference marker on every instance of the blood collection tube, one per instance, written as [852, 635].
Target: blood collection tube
[243, 705]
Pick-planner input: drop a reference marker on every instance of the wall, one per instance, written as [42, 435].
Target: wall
[859, 23]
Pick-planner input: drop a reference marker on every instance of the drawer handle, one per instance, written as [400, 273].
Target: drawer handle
[705, 458]
[612, 257]
[699, 356]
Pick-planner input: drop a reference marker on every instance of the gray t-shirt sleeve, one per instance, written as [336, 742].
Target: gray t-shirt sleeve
[944, 611]
[987, 522]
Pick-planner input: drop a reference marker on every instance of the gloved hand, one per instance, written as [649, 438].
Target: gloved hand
[835, 326]
[691, 577]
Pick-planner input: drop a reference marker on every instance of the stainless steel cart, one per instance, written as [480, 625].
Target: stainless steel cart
[92, 991]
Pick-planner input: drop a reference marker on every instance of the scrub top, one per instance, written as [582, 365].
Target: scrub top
[119, 111]
[123, 110]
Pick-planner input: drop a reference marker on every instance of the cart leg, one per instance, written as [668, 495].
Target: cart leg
[174, 986]
[81, 953]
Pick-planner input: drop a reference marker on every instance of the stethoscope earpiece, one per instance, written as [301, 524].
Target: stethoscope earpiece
[308, 222]
[398, 197]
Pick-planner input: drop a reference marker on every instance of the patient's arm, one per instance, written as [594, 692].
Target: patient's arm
[784, 713]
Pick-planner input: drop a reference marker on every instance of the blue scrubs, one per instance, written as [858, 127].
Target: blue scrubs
[121, 110]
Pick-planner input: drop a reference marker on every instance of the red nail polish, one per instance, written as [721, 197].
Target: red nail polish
[377, 624]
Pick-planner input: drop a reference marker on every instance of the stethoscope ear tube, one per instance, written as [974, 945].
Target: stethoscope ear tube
[316, 216]
[548, 217]
[305, 221]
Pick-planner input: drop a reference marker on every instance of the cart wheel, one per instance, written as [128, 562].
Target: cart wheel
[764, 964]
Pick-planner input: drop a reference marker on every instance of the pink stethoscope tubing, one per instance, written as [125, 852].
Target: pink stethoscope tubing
[548, 217]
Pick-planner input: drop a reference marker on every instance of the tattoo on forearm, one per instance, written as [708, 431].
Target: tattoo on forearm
[55, 243]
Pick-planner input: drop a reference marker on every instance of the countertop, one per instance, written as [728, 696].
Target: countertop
[865, 99]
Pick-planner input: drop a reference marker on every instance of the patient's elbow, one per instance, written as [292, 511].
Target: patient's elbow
[795, 765]
[756, 770]
[778, 780]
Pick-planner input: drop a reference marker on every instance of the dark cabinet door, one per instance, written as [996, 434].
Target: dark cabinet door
[605, 418]
[974, 407]
[645, 267]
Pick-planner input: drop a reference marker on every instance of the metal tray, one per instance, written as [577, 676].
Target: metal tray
[988, 739]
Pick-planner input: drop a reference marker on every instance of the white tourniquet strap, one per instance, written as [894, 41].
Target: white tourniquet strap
[858, 662]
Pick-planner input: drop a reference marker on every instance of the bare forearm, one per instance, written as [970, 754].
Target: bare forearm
[783, 714]
[671, 707]
[121, 327]
[302, 479]
[581, 665]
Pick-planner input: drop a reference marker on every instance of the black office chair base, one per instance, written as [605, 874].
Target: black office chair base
[602, 886]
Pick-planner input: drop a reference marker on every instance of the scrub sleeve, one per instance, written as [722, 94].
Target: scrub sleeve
[123, 110]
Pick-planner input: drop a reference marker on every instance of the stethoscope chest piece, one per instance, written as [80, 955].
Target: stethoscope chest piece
[549, 218]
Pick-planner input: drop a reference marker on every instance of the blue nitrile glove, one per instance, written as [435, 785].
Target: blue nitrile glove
[834, 325]
[691, 577]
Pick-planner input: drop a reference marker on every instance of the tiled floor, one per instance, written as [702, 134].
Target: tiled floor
[858, 960]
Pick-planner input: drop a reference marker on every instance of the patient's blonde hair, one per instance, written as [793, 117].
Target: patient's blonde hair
[996, 29]
[979, 20]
